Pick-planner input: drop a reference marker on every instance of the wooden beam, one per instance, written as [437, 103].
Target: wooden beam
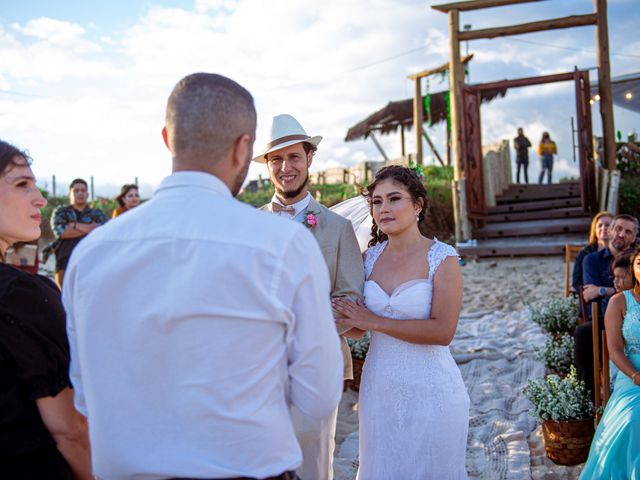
[455, 95]
[477, 5]
[542, 25]
[604, 84]
[440, 69]
[526, 81]
[380, 149]
[417, 118]
[456, 79]
[433, 147]
[402, 142]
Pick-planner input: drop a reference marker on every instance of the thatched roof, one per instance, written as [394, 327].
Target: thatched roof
[395, 114]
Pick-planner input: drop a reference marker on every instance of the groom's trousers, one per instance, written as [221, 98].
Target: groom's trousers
[317, 441]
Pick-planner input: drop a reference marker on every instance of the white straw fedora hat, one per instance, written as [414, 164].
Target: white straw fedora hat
[285, 131]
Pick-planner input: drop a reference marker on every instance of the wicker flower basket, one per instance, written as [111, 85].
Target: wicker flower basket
[567, 442]
[357, 373]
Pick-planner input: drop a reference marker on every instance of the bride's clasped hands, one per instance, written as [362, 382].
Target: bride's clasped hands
[357, 316]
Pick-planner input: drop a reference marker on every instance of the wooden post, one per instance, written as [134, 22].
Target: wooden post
[614, 189]
[604, 84]
[456, 211]
[53, 186]
[417, 119]
[402, 140]
[455, 99]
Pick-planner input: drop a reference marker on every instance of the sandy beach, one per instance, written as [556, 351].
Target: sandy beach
[507, 444]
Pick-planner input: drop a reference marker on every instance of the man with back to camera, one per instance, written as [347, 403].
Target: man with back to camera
[216, 321]
[288, 156]
[522, 145]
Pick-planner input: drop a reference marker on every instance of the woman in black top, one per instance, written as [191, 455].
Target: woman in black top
[598, 239]
[42, 436]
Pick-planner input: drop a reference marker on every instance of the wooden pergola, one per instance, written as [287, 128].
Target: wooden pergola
[457, 86]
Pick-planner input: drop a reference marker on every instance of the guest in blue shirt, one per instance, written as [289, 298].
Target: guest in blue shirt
[598, 286]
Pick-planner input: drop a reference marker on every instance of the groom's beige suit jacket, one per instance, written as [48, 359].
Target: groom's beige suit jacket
[342, 255]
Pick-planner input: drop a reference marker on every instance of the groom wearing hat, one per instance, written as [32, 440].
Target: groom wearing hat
[288, 156]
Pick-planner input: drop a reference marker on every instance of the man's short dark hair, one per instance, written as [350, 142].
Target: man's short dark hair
[626, 217]
[78, 180]
[206, 114]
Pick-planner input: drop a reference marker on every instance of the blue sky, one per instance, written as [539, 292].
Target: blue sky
[83, 85]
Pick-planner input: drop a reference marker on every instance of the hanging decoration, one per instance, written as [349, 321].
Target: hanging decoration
[427, 105]
[447, 102]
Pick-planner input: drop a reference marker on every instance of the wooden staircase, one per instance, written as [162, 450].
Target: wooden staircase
[531, 220]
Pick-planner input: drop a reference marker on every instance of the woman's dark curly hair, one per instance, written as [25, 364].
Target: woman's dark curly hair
[9, 156]
[409, 180]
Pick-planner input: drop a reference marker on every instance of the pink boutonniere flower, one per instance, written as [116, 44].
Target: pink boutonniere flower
[310, 220]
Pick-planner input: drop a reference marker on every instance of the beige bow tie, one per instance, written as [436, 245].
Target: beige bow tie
[276, 207]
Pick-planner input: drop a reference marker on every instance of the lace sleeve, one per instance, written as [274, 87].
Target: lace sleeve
[370, 257]
[437, 254]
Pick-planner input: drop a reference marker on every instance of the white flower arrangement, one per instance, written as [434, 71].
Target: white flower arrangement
[556, 315]
[557, 353]
[359, 348]
[559, 399]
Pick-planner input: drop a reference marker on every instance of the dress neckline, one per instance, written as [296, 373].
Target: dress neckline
[407, 284]
[413, 280]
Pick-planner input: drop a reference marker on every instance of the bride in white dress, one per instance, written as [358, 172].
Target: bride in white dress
[413, 407]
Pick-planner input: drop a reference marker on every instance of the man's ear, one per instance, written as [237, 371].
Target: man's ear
[242, 151]
[165, 137]
[309, 158]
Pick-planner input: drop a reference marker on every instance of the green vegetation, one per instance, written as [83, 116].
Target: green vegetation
[630, 195]
[439, 219]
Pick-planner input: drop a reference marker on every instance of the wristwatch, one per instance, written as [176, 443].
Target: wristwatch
[602, 291]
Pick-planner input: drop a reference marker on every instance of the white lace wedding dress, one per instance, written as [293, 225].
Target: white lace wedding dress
[414, 407]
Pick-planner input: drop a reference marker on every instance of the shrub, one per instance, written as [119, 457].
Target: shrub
[557, 353]
[559, 399]
[556, 315]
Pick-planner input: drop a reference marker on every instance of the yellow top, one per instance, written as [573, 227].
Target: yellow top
[118, 211]
[547, 148]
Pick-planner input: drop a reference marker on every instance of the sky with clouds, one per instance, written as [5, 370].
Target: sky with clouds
[83, 85]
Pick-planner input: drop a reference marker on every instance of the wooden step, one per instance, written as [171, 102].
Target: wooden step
[509, 247]
[568, 212]
[533, 227]
[533, 206]
[529, 196]
[534, 187]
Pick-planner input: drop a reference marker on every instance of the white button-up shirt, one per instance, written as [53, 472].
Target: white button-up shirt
[194, 321]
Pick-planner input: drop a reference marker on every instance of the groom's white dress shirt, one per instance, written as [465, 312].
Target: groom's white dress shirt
[194, 322]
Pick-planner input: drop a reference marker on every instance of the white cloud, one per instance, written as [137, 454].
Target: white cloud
[58, 33]
[104, 98]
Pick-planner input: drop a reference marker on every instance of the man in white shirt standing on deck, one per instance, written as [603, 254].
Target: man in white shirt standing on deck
[195, 321]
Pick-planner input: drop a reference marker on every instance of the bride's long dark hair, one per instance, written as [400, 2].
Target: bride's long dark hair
[409, 180]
